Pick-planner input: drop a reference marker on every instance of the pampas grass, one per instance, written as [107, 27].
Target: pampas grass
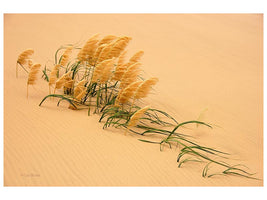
[62, 80]
[128, 92]
[87, 52]
[32, 77]
[79, 87]
[119, 47]
[103, 55]
[66, 56]
[107, 39]
[113, 93]
[23, 59]
[107, 72]
[137, 116]
[143, 90]
[130, 75]
[53, 75]
[136, 57]
[100, 68]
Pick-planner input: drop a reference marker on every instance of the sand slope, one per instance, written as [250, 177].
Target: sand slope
[211, 62]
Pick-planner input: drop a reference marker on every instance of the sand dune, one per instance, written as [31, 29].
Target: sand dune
[212, 62]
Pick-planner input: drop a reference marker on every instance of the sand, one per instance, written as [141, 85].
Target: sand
[204, 62]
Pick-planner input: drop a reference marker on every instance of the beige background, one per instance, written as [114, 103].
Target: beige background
[211, 62]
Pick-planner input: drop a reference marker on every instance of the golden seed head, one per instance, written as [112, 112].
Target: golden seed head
[81, 94]
[32, 77]
[79, 87]
[143, 90]
[66, 55]
[127, 93]
[136, 57]
[107, 39]
[68, 83]
[30, 63]
[104, 53]
[62, 80]
[53, 75]
[118, 47]
[100, 69]
[88, 50]
[135, 118]
[107, 72]
[22, 58]
[130, 75]
[97, 52]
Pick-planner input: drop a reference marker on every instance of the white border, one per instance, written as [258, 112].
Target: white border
[123, 6]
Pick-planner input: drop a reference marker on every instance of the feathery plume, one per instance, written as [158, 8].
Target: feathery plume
[120, 68]
[130, 75]
[79, 97]
[53, 75]
[68, 83]
[87, 52]
[30, 63]
[104, 53]
[23, 57]
[33, 74]
[107, 72]
[119, 71]
[135, 118]
[100, 68]
[143, 90]
[32, 77]
[79, 87]
[61, 81]
[136, 57]
[127, 93]
[66, 55]
[121, 58]
[97, 52]
[81, 94]
[107, 39]
[119, 46]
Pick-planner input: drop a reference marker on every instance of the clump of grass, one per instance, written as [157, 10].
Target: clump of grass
[100, 77]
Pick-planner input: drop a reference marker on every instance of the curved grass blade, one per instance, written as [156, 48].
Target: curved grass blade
[58, 96]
